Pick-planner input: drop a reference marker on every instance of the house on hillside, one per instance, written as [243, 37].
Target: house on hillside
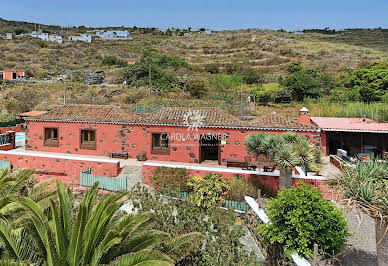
[12, 75]
[82, 38]
[9, 36]
[114, 35]
[46, 37]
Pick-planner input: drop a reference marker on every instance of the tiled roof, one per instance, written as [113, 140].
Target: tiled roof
[349, 124]
[200, 116]
[278, 122]
[32, 113]
[87, 113]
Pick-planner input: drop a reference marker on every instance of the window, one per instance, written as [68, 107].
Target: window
[160, 143]
[14, 75]
[88, 139]
[51, 137]
[1, 75]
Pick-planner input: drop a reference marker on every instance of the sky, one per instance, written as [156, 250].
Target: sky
[213, 14]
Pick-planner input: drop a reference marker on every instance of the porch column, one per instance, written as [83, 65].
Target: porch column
[362, 142]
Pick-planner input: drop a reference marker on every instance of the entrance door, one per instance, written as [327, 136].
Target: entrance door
[209, 148]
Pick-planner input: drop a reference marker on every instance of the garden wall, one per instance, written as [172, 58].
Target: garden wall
[268, 180]
[64, 167]
[16, 128]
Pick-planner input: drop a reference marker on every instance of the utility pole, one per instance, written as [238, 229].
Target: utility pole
[241, 100]
[149, 77]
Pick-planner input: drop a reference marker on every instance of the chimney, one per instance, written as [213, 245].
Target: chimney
[304, 116]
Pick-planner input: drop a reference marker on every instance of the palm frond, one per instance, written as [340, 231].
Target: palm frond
[146, 257]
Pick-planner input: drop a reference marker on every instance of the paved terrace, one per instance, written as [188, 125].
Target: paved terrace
[211, 166]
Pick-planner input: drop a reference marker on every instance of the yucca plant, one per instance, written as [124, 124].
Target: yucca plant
[365, 186]
[94, 234]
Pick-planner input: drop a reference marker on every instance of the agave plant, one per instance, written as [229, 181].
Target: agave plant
[365, 186]
[94, 234]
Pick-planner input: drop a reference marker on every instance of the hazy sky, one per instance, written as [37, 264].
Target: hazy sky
[214, 14]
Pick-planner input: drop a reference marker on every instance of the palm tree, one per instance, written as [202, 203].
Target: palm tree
[93, 235]
[286, 151]
[365, 186]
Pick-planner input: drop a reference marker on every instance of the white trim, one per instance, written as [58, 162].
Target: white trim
[55, 156]
[229, 170]
[172, 125]
[354, 130]
[210, 169]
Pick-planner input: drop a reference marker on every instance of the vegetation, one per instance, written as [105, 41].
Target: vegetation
[300, 218]
[113, 61]
[208, 191]
[286, 151]
[170, 180]
[239, 188]
[50, 231]
[364, 186]
[220, 244]
[7, 119]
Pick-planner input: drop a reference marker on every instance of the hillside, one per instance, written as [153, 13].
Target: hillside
[270, 52]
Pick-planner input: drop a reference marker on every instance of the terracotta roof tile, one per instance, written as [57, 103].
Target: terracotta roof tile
[277, 121]
[349, 124]
[87, 113]
[200, 116]
[32, 113]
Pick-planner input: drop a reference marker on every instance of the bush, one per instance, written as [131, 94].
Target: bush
[300, 218]
[251, 76]
[113, 61]
[283, 96]
[263, 97]
[7, 120]
[212, 68]
[196, 88]
[170, 180]
[240, 187]
[208, 191]
[294, 67]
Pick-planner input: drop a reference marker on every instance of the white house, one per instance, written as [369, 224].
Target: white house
[112, 35]
[82, 38]
[9, 36]
[46, 37]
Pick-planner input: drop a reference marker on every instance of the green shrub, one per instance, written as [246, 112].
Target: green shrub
[251, 76]
[113, 61]
[7, 120]
[240, 187]
[263, 97]
[212, 68]
[300, 218]
[196, 88]
[208, 191]
[283, 96]
[170, 180]
[294, 67]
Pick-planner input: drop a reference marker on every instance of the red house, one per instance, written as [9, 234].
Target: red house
[188, 135]
[73, 138]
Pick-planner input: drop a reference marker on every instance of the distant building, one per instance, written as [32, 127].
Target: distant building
[208, 32]
[12, 75]
[82, 38]
[9, 36]
[46, 37]
[112, 35]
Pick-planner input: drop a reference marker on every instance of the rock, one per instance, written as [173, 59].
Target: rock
[142, 156]
[94, 77]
